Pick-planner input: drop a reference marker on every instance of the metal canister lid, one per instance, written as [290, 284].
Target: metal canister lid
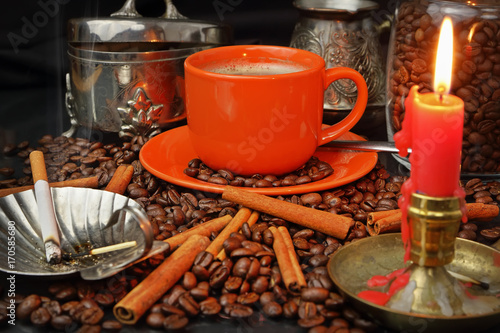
[128, 26]
[336, 6]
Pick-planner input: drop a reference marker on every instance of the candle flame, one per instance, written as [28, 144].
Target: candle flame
[444, 58]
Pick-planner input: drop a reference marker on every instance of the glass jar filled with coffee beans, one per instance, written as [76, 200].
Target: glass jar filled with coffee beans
[476, 71]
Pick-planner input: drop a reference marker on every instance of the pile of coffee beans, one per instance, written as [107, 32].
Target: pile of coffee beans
[246, 287]
[476, 74]
[312, 171]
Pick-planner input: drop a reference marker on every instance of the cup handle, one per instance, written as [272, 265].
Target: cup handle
[334, 131]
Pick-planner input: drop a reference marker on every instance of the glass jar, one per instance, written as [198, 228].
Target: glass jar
[476, 71]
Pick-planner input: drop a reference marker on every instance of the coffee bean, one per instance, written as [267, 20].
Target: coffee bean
[233, 283]
[61, 323]
[290, 310]
[27, 306]
[189, 281]
[53, 307]
[307, 310]
[104, 298]
[236, 310]
[210, 307]
[91, 316]
[248, 298]
[155, 320]
[111, 325]
[168, 309]
[311, 321]
[241, 267]
[40, 317]
[467, 234]
[242, 252]
[266, 297]
[491, 234]
[189, 305]
[315, 295]
[200, 272]
[272, 309]
[219, 277]
[229, 298]
[260, 285]
[318, 260]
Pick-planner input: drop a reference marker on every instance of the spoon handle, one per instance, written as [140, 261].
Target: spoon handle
[364, 146]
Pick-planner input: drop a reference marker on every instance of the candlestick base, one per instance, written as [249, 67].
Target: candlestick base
[431, 291]
[354, 264]
[433, 224]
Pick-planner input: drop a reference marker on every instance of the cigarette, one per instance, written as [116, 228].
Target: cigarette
[101, 250]
[46, 214]
[465, 278]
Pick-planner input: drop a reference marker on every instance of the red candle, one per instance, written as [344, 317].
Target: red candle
[433, 127]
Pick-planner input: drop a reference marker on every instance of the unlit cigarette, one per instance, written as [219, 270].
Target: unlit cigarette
[46, 214]
[465, 278]
[101, 250]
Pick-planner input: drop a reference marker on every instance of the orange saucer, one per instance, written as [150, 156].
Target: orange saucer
[167, 155]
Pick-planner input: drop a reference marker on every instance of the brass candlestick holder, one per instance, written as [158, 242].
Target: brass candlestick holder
[433, 224]
[453, 283]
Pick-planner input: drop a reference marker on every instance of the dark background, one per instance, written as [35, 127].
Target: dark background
[32, 77]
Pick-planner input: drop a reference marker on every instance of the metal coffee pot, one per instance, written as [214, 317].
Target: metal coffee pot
[345, 34]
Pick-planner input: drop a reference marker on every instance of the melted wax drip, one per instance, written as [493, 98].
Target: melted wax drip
[399, 279]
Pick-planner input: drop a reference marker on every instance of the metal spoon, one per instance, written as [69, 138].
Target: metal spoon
[364, 146]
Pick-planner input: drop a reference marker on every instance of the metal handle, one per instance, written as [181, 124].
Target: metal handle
[129, 10]
[69, 103]
[171, 11]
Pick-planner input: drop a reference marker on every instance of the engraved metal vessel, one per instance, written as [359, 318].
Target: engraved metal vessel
[345, 35]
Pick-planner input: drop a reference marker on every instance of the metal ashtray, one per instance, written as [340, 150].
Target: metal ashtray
[127, 71]
[87, 218]
[351, 267]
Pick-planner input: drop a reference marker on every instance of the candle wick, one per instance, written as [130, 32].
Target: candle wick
[441, 98]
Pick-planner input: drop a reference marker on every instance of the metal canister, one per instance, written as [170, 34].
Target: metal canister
[345, 35]
[127, 73]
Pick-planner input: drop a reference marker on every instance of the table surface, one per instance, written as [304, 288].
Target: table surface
[27, 285]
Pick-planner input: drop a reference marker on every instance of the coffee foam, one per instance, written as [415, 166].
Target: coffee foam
[255, 67]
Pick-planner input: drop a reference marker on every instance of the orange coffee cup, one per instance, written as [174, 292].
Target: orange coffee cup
[259, 109]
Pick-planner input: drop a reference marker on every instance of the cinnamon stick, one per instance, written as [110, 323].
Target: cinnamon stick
[390, 220]
[254, 217]
[301, 280]
[331, 224]
[204, 229]
[145, 294]
[375, 216]
[90, 182]
[481, 212]
[288, 272]
[241, 217]
[121, 178]
[388, 224]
